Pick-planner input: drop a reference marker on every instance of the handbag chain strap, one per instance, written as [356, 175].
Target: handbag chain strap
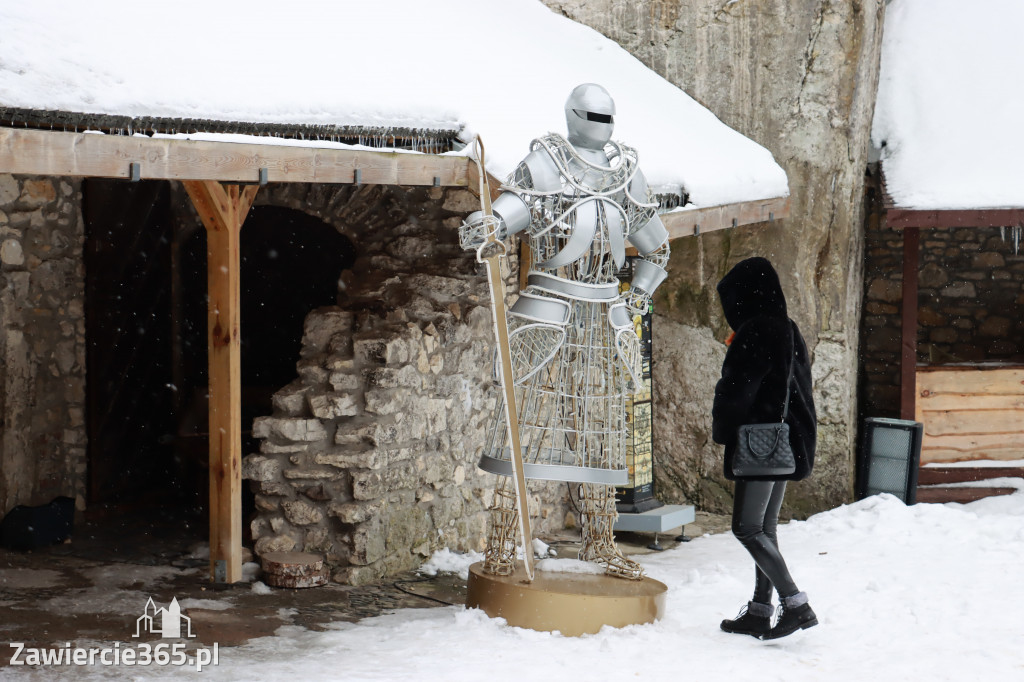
[789, 378]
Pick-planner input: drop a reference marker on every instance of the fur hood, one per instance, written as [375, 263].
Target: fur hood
[750, 289]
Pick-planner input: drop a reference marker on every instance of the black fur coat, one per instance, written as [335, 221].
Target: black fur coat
[753, 384]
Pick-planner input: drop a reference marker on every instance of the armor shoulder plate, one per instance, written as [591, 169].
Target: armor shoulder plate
[544, 175]
[638, 187]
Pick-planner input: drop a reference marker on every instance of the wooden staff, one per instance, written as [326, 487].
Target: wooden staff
[496, 248]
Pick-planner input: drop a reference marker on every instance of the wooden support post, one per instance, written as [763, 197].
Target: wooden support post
[222, 209]
[525, 262]
[908, 335]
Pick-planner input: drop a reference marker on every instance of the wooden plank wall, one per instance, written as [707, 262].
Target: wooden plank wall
[971, 413]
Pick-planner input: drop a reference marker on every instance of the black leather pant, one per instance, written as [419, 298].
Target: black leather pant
[755, 517]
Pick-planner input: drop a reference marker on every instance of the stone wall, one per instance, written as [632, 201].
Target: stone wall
[971, 293]
[42, 341]
[970, 305]
[800, 79]
[370, 455]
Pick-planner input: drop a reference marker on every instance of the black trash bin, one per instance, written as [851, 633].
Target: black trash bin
[890, 455]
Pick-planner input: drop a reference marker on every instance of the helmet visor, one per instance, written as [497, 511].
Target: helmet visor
[591, 116]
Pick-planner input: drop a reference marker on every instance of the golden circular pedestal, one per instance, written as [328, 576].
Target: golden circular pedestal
[571, 603]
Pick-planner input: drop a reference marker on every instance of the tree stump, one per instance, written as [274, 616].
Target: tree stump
[294, 570]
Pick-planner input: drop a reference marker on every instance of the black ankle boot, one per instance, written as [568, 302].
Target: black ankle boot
[755, 619]
[794, 614]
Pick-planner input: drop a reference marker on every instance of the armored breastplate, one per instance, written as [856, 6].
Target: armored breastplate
[585, 216]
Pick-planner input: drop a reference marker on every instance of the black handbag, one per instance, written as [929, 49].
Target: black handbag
[764, 449]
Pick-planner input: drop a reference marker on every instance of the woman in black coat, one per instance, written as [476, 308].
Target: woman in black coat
[752, 390]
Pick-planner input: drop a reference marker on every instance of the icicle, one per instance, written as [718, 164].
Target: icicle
[1002, 233]
[1016, 239]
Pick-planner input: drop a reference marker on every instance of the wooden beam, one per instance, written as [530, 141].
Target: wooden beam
[697, 221]
[687, 222]
[933, 475]
[473, 181]
[525, 262]
[47, 152]
[222, 209]
[899, 218]
[942, 494]
[908, 333]
[903, 218]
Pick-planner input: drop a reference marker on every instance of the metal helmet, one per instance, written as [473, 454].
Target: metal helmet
[589, 113]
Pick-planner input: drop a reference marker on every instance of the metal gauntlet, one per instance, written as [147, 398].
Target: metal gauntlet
[510, 215]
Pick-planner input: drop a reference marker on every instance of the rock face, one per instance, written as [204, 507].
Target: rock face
[800, 79]
[42, 341]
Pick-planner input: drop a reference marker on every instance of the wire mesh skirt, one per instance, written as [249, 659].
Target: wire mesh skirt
[571, 400]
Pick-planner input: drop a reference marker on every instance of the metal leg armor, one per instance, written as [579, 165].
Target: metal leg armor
[500, 557]
[598, 512]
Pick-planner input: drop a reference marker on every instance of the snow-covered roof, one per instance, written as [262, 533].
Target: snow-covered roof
[500, 68]
[950, 104]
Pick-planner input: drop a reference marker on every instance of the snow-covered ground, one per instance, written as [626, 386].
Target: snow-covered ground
[927, 592]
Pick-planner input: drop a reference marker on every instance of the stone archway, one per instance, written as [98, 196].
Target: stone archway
[291, 262]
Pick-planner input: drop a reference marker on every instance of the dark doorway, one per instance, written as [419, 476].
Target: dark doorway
[129, 401]
[290, 264]
[146, 333]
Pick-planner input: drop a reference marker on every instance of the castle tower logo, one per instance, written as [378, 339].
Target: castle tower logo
[166, 622]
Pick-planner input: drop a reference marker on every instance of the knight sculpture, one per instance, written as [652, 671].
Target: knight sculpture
[575, 352]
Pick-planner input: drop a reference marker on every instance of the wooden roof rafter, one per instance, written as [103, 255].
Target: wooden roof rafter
[899, 218]
[44, 152]
[29, 151]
